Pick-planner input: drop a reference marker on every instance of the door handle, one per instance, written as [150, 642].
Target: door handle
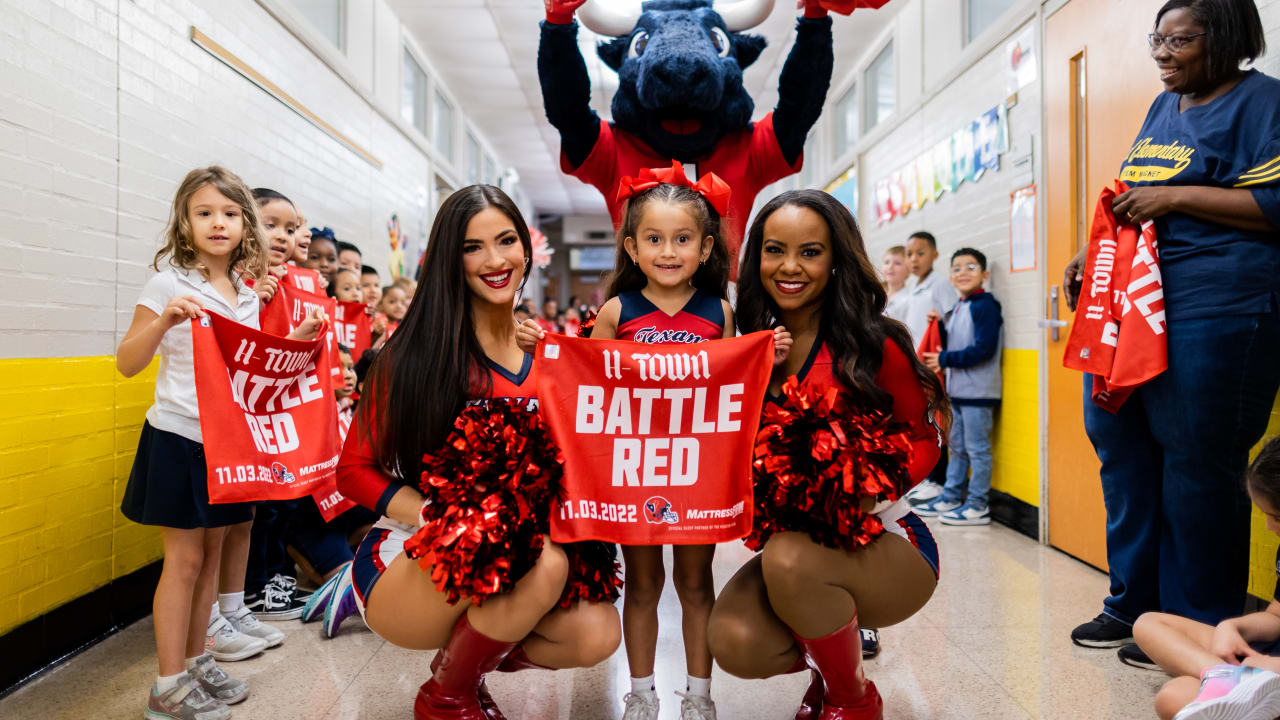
[1052, 323]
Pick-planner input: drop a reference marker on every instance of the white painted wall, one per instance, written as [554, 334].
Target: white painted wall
[105, 105]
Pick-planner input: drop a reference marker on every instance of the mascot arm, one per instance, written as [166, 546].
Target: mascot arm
[802, 85]
[566, 91]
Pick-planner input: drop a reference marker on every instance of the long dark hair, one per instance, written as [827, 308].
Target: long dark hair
[711, 277]
[422, 378]
[851, 319]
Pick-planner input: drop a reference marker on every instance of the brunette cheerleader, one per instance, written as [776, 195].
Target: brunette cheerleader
[456, 347]
[798, 603]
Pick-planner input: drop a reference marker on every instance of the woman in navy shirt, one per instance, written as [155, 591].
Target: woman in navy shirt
[1206, 169]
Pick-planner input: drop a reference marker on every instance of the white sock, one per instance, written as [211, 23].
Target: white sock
[165, 683]
[699, 686]
[231, 602]
[214, 614]
[642, 684]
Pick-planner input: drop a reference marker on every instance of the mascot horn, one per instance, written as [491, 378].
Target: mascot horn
[680, 94]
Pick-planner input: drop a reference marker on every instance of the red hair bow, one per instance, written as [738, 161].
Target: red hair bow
[710, 186]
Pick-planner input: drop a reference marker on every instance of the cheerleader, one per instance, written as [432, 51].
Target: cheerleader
[457, 346]
[799, 602]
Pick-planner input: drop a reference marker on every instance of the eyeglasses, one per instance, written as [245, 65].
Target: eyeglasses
[971, 267]
[1175, 43]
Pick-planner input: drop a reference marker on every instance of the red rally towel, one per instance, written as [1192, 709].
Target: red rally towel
[1119, 329]
[932, 343]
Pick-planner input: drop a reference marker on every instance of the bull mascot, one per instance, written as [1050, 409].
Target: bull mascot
[680, 94]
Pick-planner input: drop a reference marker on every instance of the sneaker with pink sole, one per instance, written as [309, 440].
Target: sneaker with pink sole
[1235, 692]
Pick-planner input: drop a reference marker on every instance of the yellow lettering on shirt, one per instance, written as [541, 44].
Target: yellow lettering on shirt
[1145, 149]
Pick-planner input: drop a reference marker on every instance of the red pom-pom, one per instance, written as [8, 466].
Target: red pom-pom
[593, 573]
[489, 490]
[817, 460]
[584, 330]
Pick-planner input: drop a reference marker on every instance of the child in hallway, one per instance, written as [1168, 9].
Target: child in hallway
[926, 292]
[213, 245]
[893, 270]
[971, 338]
[1231, 671]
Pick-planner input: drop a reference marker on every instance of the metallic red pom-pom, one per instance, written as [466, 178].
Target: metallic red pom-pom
[489, 488]
[584, 330]
[820, 465]
[593, 573]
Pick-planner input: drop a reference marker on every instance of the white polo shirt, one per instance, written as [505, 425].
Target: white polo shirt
[933, 293]
[176, 409]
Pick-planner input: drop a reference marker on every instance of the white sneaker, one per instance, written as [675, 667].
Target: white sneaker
[226, 689]
[246, 622]
[226, 644]
[696, 707]
[967, 515]
[640, 706]
[924, 492]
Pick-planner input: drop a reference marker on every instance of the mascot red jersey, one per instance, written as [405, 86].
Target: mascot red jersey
[680, 94]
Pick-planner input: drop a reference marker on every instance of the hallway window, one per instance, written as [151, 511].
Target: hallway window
[325, 16]
[881, 93]
[846, 123]
[979, 14]
[474, 171]
[442, 125]
[413, 94]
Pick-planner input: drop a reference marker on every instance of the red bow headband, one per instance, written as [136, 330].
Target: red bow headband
[711, 187]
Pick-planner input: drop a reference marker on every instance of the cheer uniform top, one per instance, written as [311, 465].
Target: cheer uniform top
[639, 320]
[362, 479]
[898, 378]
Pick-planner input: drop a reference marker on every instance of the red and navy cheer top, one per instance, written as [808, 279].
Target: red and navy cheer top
[897, 378]
[639, 320]
[362, 478]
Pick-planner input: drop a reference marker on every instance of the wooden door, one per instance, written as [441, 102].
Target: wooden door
[1099, 80]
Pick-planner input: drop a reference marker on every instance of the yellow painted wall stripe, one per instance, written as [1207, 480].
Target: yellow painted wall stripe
[1015, 442]
[1262, 542]
[68, 432]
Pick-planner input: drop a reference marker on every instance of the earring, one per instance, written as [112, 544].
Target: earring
[833, 271]
[635, 262]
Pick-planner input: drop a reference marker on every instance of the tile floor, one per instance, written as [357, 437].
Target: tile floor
[992, 644]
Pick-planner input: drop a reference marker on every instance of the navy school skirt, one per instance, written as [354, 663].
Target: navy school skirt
[169, 486]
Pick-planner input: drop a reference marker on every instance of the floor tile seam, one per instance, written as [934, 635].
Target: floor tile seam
[352, 679]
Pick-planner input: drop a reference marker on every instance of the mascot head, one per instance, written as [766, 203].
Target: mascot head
[679, 65]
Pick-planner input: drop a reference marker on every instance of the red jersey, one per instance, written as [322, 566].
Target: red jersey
[702, 318]
[360, 476]
[748, 160]
[896, 377]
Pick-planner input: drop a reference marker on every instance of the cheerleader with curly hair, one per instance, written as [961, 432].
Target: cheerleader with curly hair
[799, 602]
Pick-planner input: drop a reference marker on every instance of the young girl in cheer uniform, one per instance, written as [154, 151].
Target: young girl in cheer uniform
[668, 287]
[798, 603]
[457, 345]
[213, 244]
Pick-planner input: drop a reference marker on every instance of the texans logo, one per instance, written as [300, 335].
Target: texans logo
[281, 474]
[657, 511]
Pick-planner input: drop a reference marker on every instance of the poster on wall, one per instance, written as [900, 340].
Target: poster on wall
[884, 205]
[1020, 60]
[909, 190]
[924, 179]
[845, 189]
[943, 178]
[986, 150]
[962, 156]
[896, 195]
[1022, 229]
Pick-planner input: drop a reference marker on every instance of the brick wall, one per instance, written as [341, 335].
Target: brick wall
[104, 106]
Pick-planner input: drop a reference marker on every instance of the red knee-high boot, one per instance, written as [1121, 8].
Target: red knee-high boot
[838, 658]
[452, 693]
[811, 704]
[515, 661]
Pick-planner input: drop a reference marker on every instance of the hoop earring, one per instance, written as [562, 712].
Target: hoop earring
[635, 262]
[833, 271]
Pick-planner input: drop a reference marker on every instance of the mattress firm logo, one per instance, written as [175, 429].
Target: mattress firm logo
[1175, 153]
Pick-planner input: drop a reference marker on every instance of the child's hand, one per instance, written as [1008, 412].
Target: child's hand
[266, 288]
[181, 309]
[324, 281]
[279, 270]
[933, 314]
[379, 326]
[528, 333]
[310, 328]
[781, 345]
[1229, 644]
[931, 361]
